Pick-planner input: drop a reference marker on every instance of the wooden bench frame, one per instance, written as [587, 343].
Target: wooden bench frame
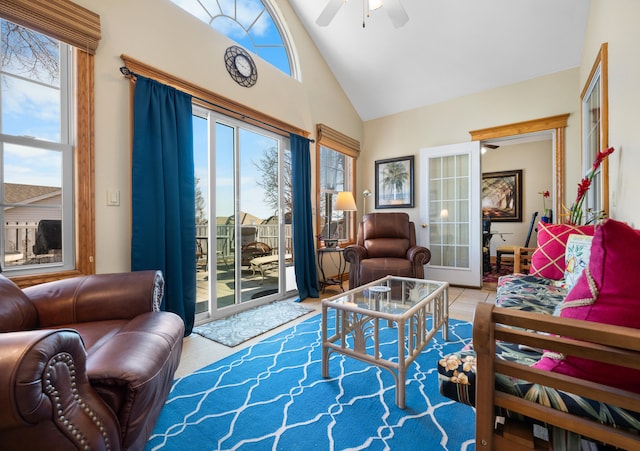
[600, 342]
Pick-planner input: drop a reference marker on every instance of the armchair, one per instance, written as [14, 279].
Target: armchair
[386, 245]
[85, 362]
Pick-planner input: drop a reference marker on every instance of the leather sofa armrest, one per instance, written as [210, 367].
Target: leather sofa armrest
[44, 385]
[419, 255]
[354, 253]
[97, 297]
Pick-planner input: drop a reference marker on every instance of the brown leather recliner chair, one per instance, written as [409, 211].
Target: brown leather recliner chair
[386, 245]
[85, 362]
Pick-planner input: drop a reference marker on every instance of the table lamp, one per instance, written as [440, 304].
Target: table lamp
[344, 202]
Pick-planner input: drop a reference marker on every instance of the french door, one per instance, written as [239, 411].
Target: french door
[243, 217]
[450, 213]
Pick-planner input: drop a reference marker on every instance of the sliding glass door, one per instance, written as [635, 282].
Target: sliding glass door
[246, 172]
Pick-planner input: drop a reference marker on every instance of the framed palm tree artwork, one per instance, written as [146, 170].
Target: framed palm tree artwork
[394, 183]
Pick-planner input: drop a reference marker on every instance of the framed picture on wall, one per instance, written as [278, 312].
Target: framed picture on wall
[394, 182]
[502, 195]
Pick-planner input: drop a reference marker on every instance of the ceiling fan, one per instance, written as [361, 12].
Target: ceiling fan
[394, 9]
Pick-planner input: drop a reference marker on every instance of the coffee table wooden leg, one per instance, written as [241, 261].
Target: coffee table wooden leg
[325, 349]
[401, 378]
[444, 308]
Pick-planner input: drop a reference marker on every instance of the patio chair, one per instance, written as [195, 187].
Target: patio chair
[254, 250]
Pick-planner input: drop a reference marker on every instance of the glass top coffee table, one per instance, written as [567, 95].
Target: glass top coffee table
[404, 303]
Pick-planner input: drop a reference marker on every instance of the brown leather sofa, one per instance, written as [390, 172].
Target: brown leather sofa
[86, 362]
[386, 245]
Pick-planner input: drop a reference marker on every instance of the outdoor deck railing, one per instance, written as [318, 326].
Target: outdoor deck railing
[265, 233]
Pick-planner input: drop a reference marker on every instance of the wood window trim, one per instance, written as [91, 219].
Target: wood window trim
[61, 19]
[335, 140]
[213, 101]
[601, 62]
[339, 142]
[557, 124]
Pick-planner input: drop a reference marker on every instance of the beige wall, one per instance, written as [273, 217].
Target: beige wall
[616, 24]
[162, 35]
[450, 122]
[536, 161]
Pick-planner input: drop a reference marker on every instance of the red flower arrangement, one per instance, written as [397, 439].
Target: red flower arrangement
[576, 212]
[545, 194]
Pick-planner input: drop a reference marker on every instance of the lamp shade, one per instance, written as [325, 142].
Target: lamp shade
[345, 201]
[374, 4]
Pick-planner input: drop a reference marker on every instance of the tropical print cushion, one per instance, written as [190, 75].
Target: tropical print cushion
[548, 260]
[529, 293]
[576, 258]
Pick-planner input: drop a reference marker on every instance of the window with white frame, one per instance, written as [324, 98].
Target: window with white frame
[36, 151]
[594, 109]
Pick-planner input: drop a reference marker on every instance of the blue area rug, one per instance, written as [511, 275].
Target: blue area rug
[272, 396]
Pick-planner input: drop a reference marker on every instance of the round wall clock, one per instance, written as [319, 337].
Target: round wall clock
[240, 66]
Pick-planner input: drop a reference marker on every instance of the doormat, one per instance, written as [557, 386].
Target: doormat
[236, 329]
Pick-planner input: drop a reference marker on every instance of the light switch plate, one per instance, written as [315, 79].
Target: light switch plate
[113, 197]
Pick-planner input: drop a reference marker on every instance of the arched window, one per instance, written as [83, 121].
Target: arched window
[253, 24]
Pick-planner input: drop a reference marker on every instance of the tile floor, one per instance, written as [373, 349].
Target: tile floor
[198, 352]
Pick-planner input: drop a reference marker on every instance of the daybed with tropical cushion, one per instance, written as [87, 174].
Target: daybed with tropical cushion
[554, 364]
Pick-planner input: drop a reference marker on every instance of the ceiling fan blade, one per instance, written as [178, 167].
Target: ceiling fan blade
[396, 12]
[329, 12]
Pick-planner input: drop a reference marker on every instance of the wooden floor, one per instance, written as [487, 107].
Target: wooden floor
[198, 352]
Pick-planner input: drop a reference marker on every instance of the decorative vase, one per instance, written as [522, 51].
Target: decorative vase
[547, 216]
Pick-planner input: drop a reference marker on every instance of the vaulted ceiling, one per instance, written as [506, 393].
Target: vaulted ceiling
[448, 48]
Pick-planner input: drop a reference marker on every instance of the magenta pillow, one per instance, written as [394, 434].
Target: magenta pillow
[606, 292]
[548, 260]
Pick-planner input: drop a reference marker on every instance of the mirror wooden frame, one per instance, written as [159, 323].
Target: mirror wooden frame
[556, 124]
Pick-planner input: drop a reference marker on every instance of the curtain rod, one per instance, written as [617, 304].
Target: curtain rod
[128, 73]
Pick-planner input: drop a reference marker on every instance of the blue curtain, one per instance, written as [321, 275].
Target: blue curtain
[303, 250]
[163, 199]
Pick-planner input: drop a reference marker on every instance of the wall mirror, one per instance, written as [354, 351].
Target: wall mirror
[555, 125]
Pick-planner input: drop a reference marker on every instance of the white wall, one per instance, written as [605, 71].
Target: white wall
[162, 35]
[617, 24]
[450, 122]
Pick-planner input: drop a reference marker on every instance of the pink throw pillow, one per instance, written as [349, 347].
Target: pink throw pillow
[548, 260]
[606, 292]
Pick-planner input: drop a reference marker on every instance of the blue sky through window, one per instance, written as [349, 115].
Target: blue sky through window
[247, 22]
[253, 147]
[30, 107]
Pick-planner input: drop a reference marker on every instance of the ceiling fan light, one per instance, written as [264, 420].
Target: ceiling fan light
[374, 4]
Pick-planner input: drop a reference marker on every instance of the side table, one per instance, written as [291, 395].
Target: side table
[341, 264]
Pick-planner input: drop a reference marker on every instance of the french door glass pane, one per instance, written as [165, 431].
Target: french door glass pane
[245, 260]
[201, 164]
[258, 166]
[449, 211]
[225, 215]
